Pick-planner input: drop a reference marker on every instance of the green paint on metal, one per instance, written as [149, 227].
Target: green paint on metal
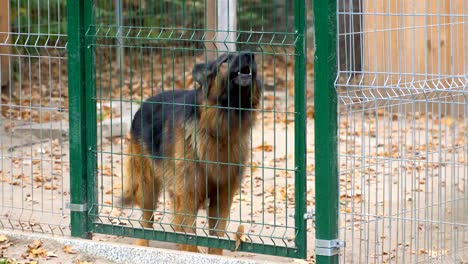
[196, 240]
[78, 144]
[137, 37]
[300, 127]
[326, 163]
[91, 113]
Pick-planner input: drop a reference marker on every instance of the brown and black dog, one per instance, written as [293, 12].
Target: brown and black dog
[194, 144]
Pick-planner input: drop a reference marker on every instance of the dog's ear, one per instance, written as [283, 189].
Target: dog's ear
[203, 73]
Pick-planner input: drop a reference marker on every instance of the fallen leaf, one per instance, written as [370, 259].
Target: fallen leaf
[38, 179]
[50, 187]
[19, 176]
[83, 262]
[310, 112]
[265, 147]
[447, 121]
[68, 249]
[35, 245]
[3, 238]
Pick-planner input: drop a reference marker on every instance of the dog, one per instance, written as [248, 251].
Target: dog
[194, 144]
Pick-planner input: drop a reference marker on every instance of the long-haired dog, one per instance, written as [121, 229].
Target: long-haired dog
[194, 144]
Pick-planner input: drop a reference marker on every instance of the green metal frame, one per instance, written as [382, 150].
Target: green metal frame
[326, 163]
[83, 152]
[82, 116]
[300, 127]
[78, 132]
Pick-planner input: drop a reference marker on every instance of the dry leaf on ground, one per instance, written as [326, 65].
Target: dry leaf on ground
[68, 249]
[265, 147]
[83, 262]
[36, 250]
[3, 238]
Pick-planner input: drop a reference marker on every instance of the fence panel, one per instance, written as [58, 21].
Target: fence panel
[403, 132]
[198, 144]
[325, 103]
[34, 162]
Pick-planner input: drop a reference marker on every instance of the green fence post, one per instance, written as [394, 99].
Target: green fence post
[91, 112]
[78, 21]
[300, 126]
[326, 159]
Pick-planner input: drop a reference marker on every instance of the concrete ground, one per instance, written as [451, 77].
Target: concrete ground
[56, 249]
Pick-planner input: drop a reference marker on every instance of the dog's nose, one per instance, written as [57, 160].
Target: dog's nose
[247, 57]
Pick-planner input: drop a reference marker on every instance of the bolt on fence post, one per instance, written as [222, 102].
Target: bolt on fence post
[326, 161]
[79, 76]
[300, 126]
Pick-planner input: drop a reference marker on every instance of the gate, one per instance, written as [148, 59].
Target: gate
[123, 52]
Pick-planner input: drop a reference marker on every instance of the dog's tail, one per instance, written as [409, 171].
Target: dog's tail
[131, 173]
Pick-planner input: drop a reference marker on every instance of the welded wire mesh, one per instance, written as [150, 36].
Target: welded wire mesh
[160, 44]
[34, 182]
[403, 138]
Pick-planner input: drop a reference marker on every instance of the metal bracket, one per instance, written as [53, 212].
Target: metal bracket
[77, 207]
[310, 215]
[328, 247]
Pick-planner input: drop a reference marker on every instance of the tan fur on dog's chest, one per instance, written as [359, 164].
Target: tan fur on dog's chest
[216, 155]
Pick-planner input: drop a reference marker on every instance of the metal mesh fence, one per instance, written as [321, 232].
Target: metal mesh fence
[34, 179]
[154, 53]
[142, 48]
[403, 119]
[34, 134]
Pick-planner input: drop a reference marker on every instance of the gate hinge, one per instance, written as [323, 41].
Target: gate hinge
[77, 207]
[309, 215]
[328, 247]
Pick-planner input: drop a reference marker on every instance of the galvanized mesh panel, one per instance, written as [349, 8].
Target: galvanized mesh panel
[403, 131]
[143, 49]
[34, 182]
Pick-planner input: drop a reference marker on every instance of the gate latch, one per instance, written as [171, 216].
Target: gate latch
[328, 247]
[76, 207]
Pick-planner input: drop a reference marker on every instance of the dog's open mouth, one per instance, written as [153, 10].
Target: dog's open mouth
[246, 70]
[244, 76]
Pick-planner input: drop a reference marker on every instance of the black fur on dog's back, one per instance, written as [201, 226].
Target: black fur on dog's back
[166, 110]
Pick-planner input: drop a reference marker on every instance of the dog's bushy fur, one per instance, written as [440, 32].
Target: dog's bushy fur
[193, 143]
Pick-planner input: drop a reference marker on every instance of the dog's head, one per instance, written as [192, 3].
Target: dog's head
[228, 77]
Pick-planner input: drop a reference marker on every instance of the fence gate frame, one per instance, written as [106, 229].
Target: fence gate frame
[83, 146]
[327, 244]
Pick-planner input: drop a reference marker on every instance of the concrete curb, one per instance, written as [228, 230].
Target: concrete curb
[128, 254]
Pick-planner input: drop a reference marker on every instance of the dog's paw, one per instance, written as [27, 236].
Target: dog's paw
[215, 251]
[141, 242]
[189, 248]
